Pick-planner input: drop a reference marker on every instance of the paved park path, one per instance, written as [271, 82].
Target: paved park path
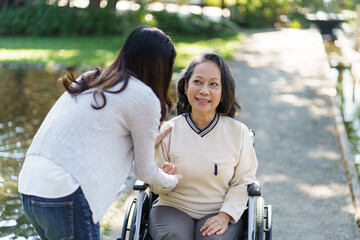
[283, 84]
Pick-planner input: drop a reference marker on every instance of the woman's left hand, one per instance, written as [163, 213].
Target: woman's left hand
[161, 135]
[217, 224]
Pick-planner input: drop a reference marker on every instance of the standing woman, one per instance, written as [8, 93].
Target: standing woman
[103, 125]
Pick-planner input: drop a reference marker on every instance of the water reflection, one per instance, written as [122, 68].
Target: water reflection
[25, 98]
[348, 98]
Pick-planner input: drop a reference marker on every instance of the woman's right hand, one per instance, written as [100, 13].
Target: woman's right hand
[172, 169]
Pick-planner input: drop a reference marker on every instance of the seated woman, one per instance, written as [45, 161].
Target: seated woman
[213, 152]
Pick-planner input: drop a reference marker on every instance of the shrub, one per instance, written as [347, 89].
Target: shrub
[177, 24]
[45, 20]
[50, 20]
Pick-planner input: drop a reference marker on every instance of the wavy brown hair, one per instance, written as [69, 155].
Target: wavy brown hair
[229, 105]
[147, 54]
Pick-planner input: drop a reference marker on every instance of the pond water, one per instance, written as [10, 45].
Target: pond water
[26, 95]
[348, 99]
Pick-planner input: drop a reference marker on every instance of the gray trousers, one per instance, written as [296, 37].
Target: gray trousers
[168, 223]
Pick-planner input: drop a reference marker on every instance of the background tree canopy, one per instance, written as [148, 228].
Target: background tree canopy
[46, 18]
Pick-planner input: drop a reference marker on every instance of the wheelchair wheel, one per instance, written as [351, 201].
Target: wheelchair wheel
[268, 229]
[259, 235]
[127, 225]
[133, 224]
[144, 218]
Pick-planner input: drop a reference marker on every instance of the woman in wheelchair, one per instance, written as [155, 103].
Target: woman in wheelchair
[212, 151]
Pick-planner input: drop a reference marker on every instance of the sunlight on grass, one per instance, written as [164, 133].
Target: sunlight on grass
[107, 56]
[77, 52]
[224, 46]
[36, 55]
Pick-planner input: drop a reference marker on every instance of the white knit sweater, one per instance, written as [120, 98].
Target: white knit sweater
[99, 147]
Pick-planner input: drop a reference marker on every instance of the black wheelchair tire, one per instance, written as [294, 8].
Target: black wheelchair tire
[129, 210]
[259, 234]
[133, 224]
[143, 222]
[268, 233]
[144, 218]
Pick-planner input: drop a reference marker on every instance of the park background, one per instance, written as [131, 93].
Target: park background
[40, 40]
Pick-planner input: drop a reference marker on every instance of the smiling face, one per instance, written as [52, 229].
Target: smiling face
[204, 89]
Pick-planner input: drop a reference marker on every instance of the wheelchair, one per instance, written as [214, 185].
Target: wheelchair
[256, 217]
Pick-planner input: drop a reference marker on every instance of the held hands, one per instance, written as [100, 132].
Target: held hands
[217, 224]
[172, 169]
[168, 168]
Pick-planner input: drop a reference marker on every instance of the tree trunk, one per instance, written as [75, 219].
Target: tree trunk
[94, 3]
[9, 3]
[2, 5]
[223, 4]
[112, 4]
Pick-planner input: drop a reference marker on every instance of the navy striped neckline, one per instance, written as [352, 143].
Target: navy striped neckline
[202, 132]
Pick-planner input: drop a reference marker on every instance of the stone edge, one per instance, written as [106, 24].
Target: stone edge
[342, 138]
[347, 157]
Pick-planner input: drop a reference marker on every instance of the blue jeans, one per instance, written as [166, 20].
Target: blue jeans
[67, 217]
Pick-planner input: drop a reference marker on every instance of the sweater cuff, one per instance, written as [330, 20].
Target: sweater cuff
[234, 217]
[171, 182]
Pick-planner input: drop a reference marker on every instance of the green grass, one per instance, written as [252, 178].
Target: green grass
[75, 52]
[101, 51]
[187, 47]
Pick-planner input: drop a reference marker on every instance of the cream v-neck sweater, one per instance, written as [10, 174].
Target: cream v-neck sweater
[217, 164]
[99, 147]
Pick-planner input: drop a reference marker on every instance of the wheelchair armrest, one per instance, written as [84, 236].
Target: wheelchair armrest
[140, 185]
[254, 189]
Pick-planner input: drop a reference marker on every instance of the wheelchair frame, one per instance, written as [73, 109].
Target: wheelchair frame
[257, 226]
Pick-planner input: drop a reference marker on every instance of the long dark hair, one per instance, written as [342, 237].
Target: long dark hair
[148, 54]
[229, 105]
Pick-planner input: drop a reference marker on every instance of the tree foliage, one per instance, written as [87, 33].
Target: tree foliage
[42, 19]
[38, 18]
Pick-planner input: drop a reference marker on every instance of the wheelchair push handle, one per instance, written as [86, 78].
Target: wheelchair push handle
[140, 185]
[254, 189]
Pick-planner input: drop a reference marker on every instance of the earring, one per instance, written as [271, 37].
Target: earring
[183, 106]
